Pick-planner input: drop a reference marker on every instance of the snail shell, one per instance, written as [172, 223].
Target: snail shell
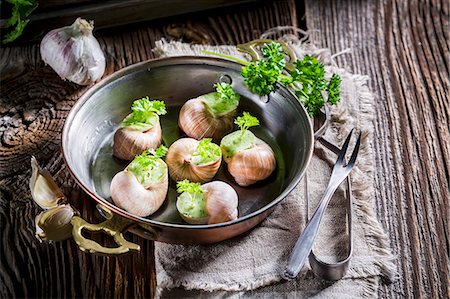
[221, 202]
[178, 160]
[198, 123]
[129, 194]
[129, 143]
[252, 165]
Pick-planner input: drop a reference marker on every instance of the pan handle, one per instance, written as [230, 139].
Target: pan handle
[115, 226]
[251, 48]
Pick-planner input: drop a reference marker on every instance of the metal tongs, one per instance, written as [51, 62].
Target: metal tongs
[303, 246]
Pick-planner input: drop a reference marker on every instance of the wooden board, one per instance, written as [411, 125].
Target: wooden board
[404, 48]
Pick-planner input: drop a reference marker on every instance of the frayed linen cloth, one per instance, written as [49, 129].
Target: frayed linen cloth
[251, 265]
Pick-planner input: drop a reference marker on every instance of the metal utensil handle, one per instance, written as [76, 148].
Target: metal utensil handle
[305, 242]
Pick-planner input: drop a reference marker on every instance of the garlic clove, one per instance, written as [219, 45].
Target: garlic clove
[221, 202]
[54, 224]
[129, 143]
[129, 194]
[43, 188]
[252, 165]
[181, 166]
[198, 123]
[74, 53]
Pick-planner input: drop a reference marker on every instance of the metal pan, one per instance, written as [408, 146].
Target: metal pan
[87, 141]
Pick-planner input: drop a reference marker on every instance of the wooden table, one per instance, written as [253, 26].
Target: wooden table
[402, 45]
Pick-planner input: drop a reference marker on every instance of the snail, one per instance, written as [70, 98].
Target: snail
[142, 186]
[210, 115]
[249, 159]
[197, 161]
[210, 203]
[140, 130]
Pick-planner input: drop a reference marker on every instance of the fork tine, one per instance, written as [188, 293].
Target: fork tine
[344, 148]
[355, 152]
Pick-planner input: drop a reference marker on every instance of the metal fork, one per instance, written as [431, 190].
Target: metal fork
[305, 242]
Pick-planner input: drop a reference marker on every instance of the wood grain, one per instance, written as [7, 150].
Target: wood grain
[33, 105]
[404, 47]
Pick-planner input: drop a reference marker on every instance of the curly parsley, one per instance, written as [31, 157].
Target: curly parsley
[144, 114]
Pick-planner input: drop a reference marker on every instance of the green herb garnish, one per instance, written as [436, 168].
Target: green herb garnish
[191, 202]
[261, 76]
[20, 10]
[189, 187]
[148, 167]
[144, 114]
[307, 80]
[242, 139]
[206, 152]
[223, 101]
[246, 121]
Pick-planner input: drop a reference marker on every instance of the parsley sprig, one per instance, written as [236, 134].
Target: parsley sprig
[223, 101]
[20, 11]
[148, 166]
[307, 80]
[144, 114]
[242, 139]
[206, 152]
[191, 188]
[246, 121]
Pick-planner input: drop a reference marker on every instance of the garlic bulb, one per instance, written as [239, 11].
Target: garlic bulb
[197, 122]
[252, 165]
[210, 115]
[249, 158]
[74, 53]
[142, 187]
[140, 130]
[128, 142]
[196, 161]
[54, 224]
[211, 203]
[43, 188]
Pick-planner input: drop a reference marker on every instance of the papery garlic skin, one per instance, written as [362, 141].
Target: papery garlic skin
[198, 123]
[129, 194]
[43, 188]
[221, 202]
[54, 224]
[74, 53]
[179, 161]
[251, 165]
[129, 143]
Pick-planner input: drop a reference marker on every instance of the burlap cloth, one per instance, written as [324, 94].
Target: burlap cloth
[251, 265]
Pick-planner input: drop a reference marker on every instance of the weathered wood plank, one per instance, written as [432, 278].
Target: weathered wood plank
[404, 47]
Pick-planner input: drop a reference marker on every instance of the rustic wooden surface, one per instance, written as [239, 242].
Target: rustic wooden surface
[404, 48]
